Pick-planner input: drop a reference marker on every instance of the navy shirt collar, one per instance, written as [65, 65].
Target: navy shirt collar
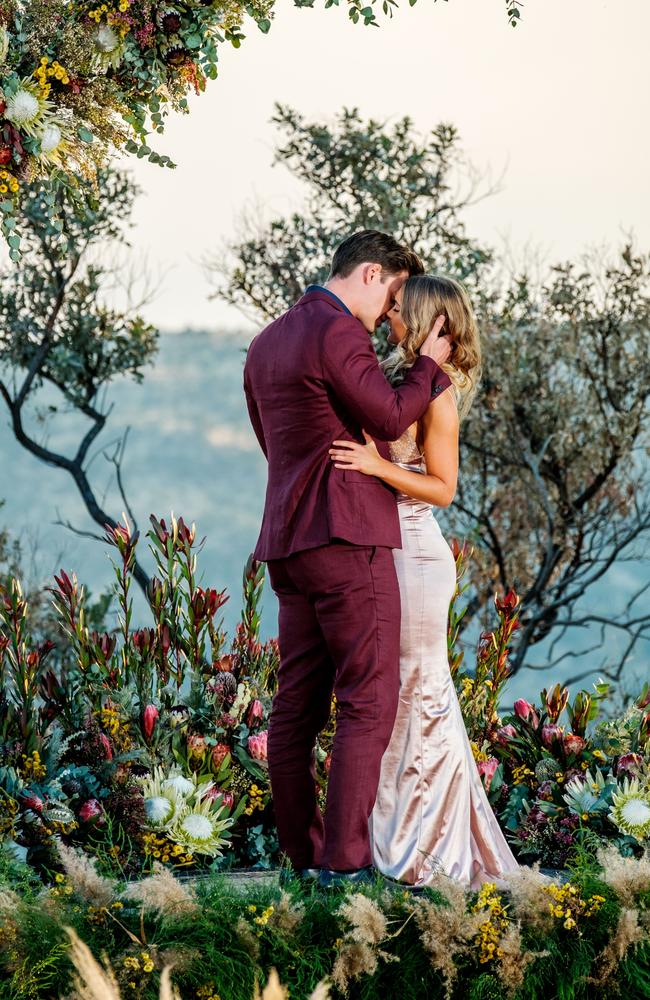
[321, 288]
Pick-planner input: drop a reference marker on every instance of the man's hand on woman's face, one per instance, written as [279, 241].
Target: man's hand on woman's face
[437, 347]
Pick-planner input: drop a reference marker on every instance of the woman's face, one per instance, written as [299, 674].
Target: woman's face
[397, 329]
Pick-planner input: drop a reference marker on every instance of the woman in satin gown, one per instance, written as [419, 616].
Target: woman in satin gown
[432, 815]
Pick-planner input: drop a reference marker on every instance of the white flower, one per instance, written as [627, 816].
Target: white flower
[50, 138]
[179, 784]
[161, 805]
[199, 830]
[23, 107]
[158, 810]
[630, 810]
[106, 39]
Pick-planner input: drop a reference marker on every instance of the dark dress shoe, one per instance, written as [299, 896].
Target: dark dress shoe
[306, 876]
[330, 879]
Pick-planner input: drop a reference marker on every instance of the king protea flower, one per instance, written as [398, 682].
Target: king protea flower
[27, 108]
[179, 784]
[630, 811]
[161, 804]
[199, 828]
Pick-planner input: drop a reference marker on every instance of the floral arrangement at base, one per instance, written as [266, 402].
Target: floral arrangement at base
[532, 937]
[556, 786]
[142, 744]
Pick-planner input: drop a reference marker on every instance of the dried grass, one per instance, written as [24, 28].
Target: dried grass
[513, 962]
[628, 934]
[626, 876]
[359, 952]
[447, 932]
[162, 893]
[530, 904]
[91, 981]
[275, 991]
[82, 874]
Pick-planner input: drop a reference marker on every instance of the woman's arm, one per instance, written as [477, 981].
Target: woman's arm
[438, 485]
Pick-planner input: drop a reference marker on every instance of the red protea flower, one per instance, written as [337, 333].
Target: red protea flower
[149, 718]
[106, 743]
[505, 733]
[170, 23]
[524, 710]
[32, 801]
[219, 754]
[550, 733]
[573, 743]
[225, 664]
[91, 812]
[255, 712]
[5, 151]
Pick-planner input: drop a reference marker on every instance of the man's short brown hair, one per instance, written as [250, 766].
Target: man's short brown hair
[373, 247]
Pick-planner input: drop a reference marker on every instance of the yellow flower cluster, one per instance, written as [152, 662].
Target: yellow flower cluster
[479, 755]
[61, 887]
[110, 720]
[44, 71]
[164, 850]
[207, 992]
[256, 800]
[137, 965]
[112, 15]
[9, 808]
[32, 766]
[493, 929]
[521, 774]
[568, 905]
[263, 918]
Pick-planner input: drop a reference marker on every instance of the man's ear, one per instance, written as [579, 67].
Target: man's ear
[370, 272]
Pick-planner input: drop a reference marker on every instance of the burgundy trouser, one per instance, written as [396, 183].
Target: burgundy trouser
[339, 632]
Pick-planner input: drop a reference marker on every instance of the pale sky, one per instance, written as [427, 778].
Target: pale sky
[561, 102]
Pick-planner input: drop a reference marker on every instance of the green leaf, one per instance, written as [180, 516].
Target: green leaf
[14, 241]
[264, 26]
[194, 40]
[85, 134]
[15, 255]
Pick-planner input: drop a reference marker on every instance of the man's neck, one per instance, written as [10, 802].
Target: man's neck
[342, 292]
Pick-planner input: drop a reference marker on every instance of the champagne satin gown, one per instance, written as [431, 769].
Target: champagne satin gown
[431, 814]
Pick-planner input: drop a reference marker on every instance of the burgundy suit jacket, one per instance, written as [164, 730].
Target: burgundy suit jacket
[311, 377]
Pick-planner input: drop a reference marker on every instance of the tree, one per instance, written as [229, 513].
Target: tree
[554, 479]
[55, 329]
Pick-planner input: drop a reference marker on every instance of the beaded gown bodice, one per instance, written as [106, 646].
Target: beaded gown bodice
[405, 450]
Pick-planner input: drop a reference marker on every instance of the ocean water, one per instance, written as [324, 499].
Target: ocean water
[191, 450]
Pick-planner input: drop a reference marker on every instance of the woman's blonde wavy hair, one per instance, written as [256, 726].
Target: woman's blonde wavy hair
[425, 297]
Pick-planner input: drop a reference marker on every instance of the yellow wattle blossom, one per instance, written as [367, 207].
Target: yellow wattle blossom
[569, 905]
[492, 930]
[521, 773]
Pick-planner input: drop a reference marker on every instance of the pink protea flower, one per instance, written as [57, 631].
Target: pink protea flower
[32, 801]
[255, 712]
[106, 743]
[219, 754]
[524, 710]
[91, 812]
[257, 745]
[573, 743]
[551, 732]
[487, 768]
[196, 744]
[505, 733]
[217, 794]
[149, 718]
[628, 764]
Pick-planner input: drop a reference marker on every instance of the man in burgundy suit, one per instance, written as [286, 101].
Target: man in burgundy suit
[327, 535]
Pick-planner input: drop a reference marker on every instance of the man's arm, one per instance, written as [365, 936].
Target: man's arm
[350, 366]
[254, 413]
